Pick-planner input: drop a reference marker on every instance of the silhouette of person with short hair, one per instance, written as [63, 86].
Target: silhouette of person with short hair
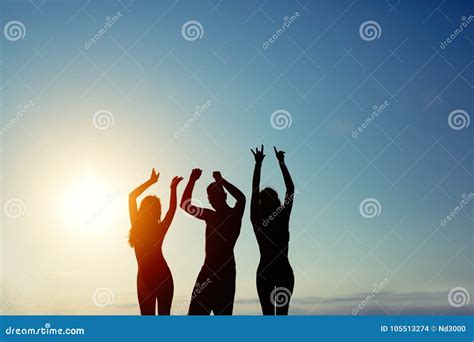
[270, 220]
[154, 278]
[216, 280]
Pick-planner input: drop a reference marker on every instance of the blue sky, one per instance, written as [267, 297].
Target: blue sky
[150, 80]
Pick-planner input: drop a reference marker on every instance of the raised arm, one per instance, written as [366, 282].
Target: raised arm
[256, 183]
[186, 199]
[132, 198]
[233, 190]
[173, 199]
[290, 187]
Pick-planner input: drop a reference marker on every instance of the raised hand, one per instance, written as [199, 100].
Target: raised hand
[258, 154]
[176, 180]
[280, 155]
[217, 176]
[195, 174]
[154, 176]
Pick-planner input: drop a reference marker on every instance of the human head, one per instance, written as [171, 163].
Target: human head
[269, 200]
[149, 214]
[216, 195]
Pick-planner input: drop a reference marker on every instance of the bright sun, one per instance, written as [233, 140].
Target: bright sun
[86, 203]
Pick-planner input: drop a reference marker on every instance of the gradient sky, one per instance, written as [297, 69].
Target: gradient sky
[58, 252]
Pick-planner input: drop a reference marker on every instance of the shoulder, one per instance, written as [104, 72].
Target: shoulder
[208, 214]
[237, 212]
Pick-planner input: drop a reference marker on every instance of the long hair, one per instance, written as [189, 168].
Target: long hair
[269, 201]
[143, 229]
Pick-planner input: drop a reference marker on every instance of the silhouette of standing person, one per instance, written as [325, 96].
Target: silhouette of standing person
[270, 220]
[154, 279]
[216, 280]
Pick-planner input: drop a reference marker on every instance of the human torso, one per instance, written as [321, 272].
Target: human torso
[273, 238]
[151, 262]
[222, 231]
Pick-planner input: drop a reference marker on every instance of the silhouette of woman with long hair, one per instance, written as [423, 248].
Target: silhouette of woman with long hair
[270, 220]
[154, 279]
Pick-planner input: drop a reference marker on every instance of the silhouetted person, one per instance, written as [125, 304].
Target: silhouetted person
[270, 220]
[154, 279]
[216, 280]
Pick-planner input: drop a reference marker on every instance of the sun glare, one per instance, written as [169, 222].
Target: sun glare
[86, 203]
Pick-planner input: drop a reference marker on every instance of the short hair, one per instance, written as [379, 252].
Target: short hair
[216, 189]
